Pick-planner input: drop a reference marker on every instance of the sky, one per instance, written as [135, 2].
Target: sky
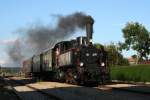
[110, 17]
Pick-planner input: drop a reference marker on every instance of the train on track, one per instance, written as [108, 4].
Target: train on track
[74, 61]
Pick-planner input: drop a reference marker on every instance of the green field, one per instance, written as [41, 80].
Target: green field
[137, 73]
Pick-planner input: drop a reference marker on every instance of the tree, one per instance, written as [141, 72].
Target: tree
[98, 46]
[134, 56]
[137, 38]
[114, 57]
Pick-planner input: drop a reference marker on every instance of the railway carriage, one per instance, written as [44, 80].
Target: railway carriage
[47, 61]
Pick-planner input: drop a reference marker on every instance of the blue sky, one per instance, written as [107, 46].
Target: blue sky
[110, 17]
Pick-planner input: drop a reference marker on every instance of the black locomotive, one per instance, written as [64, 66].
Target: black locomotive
[75, 61]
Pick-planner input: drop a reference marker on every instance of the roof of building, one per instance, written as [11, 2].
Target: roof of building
[131, 59]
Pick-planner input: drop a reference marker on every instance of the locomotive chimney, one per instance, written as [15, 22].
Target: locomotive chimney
[89, 29]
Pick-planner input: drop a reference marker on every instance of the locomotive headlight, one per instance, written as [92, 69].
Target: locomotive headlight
[81, 63]
[87, 54]
[102, 64]
[75, 76]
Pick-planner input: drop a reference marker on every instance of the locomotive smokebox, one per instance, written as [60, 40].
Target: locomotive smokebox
[89, 29]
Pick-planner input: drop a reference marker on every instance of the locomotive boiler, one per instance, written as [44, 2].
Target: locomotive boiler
[74, 61]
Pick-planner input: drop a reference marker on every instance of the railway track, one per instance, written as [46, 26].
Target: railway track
[26, 92]
[63, 91]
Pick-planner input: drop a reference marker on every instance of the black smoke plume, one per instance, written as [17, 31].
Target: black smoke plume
[37, 38]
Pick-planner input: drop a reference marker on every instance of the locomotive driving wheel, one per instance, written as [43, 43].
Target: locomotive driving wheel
[71, 77]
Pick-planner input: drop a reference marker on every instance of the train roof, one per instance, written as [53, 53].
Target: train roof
[62, 42]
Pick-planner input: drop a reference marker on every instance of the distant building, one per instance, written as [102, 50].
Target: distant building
[132, 60]
[145, 62]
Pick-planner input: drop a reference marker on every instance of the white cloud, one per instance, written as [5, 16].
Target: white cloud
[7, 41]
[2, 62]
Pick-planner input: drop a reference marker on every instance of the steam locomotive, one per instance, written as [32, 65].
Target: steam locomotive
[74, 61]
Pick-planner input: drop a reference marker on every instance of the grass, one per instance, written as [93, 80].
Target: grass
[137, 73]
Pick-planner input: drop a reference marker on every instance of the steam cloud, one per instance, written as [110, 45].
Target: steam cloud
[38, 38]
